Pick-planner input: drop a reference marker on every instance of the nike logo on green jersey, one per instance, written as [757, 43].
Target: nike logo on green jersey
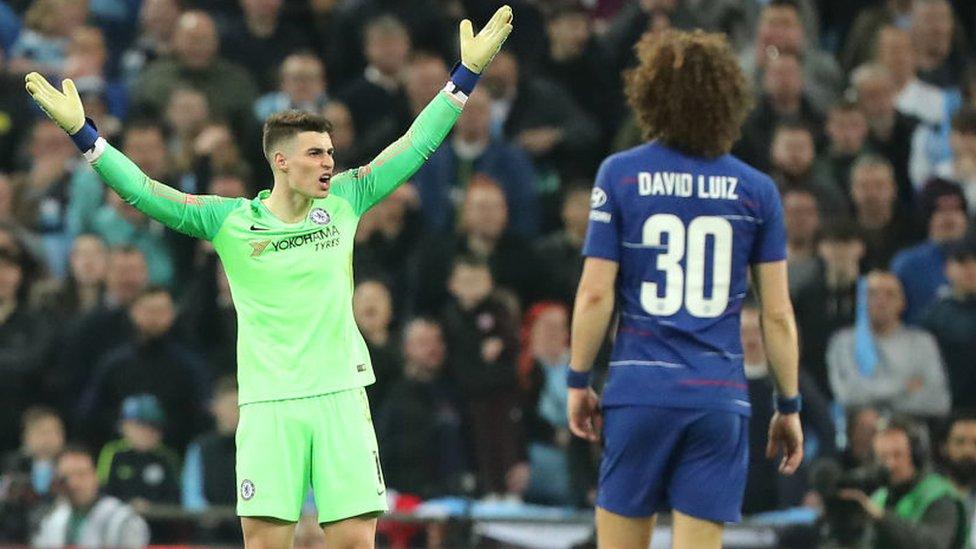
[256, 228]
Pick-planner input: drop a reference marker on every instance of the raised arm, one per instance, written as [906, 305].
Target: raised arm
[198, 216]
[369, 184]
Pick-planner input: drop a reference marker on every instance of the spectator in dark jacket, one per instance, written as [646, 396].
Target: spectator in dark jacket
[484, 234]
[260, 40]
[87, 341]
[541, 118]
[828, 303]
[419, 426]
[25, 341]
[481, 336]
[560, 251]
[880, 219]
[152, 362]
[952, 320]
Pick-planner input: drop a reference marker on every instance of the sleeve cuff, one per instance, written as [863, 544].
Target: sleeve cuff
[86, 137]
[96, 150]
[464, 78]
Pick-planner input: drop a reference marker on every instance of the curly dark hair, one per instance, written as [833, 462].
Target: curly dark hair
[688, 91]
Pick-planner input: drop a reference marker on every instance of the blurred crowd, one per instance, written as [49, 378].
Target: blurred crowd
[117, 335]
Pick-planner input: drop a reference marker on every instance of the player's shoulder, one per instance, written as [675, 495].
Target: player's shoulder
[639, 155]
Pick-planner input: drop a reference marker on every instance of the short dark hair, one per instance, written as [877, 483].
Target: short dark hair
[35, 414]
[801, 189]
[76, 448]
[792, 125]
[287, 124]
[844, 105]
[153, 289]
[469, 260]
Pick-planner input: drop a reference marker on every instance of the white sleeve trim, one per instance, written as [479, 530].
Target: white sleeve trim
[92, 154]
[452, 90]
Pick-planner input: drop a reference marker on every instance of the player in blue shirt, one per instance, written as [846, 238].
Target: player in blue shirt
[675, 226]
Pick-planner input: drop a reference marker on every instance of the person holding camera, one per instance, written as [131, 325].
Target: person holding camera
[915, 507]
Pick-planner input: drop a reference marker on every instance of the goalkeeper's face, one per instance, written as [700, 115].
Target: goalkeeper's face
[309, 162]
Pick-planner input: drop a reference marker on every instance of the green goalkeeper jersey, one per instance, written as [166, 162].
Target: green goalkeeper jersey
[292, 283]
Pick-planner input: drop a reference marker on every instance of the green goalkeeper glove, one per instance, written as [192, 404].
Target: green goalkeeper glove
[478, 51]
[64, 108]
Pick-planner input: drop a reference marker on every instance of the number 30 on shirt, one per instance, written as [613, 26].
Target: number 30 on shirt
[687, 285]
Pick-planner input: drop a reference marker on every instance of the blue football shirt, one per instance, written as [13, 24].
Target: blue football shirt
[684, 231]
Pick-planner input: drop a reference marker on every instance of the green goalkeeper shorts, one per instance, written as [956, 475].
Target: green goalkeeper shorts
[326, 442]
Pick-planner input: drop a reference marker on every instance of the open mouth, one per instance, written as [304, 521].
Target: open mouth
[324, 180]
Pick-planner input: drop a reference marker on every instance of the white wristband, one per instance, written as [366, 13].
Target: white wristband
[92, 154]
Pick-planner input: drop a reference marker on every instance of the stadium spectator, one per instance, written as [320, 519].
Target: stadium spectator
[43, 196]
[862, 424]
[423, 77]
[780, 30]
[154, 38]
[781, 99]
[952, 319]
[560, 251]
[229, 89]
[372, 306]
[893, 135]
[376, 98]
[861, 42]
[579, 64]
[938, 43]
[921, 268]
[187, 114]
[905, 375]
[150, 361]
[961, 166]
[828, 302]
[473, 150]
[260, 39]
[765, 489]
[793, 152]
[343, 136]
[208, 471]
[542, 367]
[42, 45]
[801, 216]
[87, 66]
[87, 340]
[913, 97]
[27, 478]
[208, 317]
[882, 223]
[25, 338]
[541, 118]
[419, 426]
[480, 332]
[83, 289]
[958, 453]
[387, 239]
[138, 468]
[915, 507]
[847, 132]
[301, 85]
[429, 30]
[84, 517]
[483, 225]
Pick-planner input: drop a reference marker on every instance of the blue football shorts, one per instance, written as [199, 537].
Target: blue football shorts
[656, 458]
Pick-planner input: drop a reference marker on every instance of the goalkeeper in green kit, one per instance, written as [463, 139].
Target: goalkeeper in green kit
[302, 363]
